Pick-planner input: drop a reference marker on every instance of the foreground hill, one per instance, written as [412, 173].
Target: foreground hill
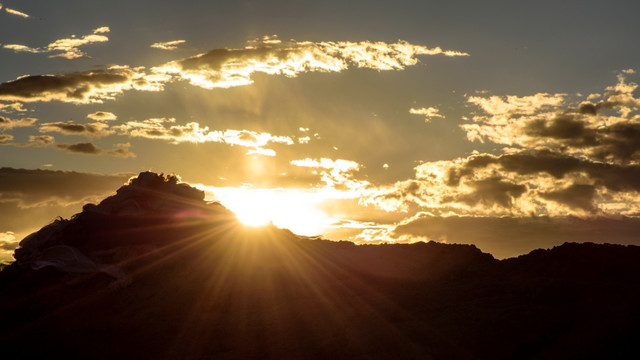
[155, 272]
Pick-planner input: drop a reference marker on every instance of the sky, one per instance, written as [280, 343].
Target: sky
[507, 125]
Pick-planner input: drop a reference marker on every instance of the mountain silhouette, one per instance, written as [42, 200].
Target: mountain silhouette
[155, 272]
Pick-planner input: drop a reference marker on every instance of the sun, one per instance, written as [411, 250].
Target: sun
[292, 209]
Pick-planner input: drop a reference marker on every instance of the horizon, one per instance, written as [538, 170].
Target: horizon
[507, 126]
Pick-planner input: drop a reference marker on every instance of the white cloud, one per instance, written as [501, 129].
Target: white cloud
[168, 45]
[428, 113]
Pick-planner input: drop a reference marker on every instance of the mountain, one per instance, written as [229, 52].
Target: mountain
[155, 272]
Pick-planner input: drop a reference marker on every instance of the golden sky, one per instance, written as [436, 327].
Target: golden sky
[508, 126]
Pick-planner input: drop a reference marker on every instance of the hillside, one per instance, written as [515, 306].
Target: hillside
[155, 272]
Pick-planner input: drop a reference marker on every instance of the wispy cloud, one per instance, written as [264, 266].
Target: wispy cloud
[15, 12]
[428, 113]
[67, 48]
[164, 128]
[168, 45]
[223, 68]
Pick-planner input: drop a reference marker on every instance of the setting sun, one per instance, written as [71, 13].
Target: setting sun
[291, 209]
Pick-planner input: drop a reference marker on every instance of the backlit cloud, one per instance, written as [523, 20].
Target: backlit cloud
[168, 45]
[428, 113]
[5, 139]
[67, 48]
[164, 129]
[102, 116]
[223, 68]
[12, 107]
[6, 123]
[93, 86]
[607, 130]
[335, 173]
[566, 158]
[15, 12]
[96, 129]
[121, 150]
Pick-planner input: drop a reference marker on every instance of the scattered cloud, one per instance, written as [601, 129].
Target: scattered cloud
[334, 173]
[102, 116]
[607, 130]
[5, 139]
[428, 113]
[41, 140]
[15, 12]
[6, 123]
[563, 158]
[168, 45]
[96, 129]
[121, 150]
[83, 87]
[13, 107]
[67, 48]
[224, 68]
[164, 128]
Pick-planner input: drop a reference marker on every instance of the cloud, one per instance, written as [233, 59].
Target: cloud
[96, 129]
[67, 48]
[574, 196]
[102, 116]
[607, 130]
[163, 128]
[168, 45]
[41, 140]
[5, 138]
[6, 123]
[16, 12]
[8, 241]
[121, 150]
[224, 68]
[13, 107]
[428, 113]
[83, 87]
[335, 173]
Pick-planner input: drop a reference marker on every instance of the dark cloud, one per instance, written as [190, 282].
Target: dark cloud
[579, 196]
[73, 128]
[78, 87]
[41, 140]
[121, 150]
[577, 129]
[5, 138]
[83, 148]
[490, 192]
[614, 177]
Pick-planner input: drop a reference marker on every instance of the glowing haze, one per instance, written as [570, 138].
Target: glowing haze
[401, 121]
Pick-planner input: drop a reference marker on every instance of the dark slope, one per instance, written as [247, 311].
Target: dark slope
[154, 272]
